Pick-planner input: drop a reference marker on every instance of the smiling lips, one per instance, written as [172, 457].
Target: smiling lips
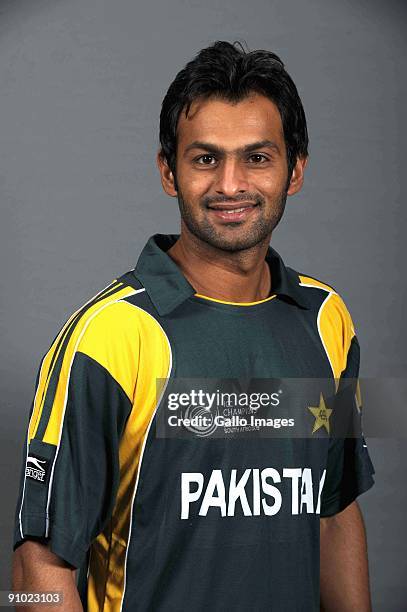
[232, 211]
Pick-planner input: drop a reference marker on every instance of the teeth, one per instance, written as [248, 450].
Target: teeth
[234, 210]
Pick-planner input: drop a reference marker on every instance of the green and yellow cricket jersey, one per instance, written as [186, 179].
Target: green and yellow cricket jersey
[161, 523]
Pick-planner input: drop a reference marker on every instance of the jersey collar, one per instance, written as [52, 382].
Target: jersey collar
[167, 287]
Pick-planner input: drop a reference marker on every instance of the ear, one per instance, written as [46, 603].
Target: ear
[297, 176]
[167, 177]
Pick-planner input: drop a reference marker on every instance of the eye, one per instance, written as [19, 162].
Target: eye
[262, 157]
[199, 160]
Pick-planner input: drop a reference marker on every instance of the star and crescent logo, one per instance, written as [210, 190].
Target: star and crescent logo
[321, 414]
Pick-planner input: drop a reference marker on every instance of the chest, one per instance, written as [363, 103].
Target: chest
[277, 341]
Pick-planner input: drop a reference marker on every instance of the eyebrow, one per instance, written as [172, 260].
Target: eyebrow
[207, 146]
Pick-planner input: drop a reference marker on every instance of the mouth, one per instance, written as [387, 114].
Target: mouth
[232, 211]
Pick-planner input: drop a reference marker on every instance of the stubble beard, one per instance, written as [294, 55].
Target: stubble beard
[256, 233]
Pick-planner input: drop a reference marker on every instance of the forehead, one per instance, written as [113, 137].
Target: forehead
[219, 121]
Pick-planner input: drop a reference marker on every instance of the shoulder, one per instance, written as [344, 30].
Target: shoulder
[107, 338]
[98, 327]
[114, 329]
[102, 329]
[103, 314]
[332, 318]
[329, 300]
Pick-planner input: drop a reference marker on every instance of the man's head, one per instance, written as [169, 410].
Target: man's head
[233, 134]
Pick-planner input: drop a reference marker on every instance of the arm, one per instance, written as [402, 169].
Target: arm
[36, 568]
[344, 574]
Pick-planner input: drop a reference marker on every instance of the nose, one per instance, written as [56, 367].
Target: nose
[231, 178]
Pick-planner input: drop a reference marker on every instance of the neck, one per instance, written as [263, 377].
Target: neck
[241, 276]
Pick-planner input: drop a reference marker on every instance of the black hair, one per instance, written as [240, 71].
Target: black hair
[225, 71]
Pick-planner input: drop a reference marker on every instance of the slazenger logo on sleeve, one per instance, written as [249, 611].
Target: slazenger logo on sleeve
[36, 468]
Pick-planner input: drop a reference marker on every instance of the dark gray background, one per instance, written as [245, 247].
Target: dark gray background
[81, 84]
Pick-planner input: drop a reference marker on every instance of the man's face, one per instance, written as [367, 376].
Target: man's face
[231, 156]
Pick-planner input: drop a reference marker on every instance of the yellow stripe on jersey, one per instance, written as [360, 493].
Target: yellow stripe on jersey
[308, 280]
[335, 327]
[206, 297]
[358, 395]
[108, 551]
[75, 328]
[113, 341]
[48, 363]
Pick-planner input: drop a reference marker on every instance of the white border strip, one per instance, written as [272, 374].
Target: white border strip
[319, 330]
[319, 317]
[142, 452]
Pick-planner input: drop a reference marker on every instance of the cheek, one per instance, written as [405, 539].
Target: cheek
[195, 186]
[270, 183]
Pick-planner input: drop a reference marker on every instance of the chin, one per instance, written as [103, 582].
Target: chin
[234, 243]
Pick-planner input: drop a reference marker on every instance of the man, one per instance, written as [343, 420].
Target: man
[191, 522]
